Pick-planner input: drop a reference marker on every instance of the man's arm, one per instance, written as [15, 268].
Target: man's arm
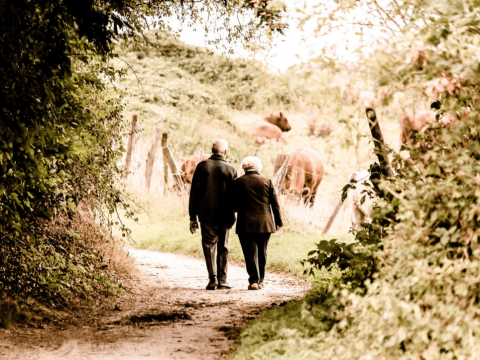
[275, 206]
[195, 193]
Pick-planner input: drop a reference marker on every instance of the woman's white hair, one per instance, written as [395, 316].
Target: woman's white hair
[252, 163]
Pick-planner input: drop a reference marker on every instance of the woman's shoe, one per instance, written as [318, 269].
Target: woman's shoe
[253, 286]
[261, 285]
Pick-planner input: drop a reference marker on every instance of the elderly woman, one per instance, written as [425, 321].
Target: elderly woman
[255, 201]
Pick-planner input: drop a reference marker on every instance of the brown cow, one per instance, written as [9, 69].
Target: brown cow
[262, 130]
[278, 119]
[271, 127]
[420, 121]
[304, 174]
[188, 168]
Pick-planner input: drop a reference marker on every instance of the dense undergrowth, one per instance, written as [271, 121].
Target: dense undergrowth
[65, 258]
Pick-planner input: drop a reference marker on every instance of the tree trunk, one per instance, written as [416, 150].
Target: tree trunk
[151, 158]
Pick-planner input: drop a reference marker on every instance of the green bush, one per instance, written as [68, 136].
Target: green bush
[412, 287]
[238, 83]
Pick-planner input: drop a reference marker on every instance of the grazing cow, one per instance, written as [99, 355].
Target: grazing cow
[188, 168]
[304, 174]
[278, 119]
[361, 211]
[270, 127]
[262, 130]
[420, 121]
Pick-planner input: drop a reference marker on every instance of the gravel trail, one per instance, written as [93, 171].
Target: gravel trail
[167, 315]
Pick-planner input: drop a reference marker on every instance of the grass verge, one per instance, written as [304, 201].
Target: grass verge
[166, 228]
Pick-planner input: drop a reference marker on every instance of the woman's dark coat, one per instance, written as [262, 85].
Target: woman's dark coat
[254, 201]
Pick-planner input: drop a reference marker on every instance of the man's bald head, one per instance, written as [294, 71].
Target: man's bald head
[220, 146]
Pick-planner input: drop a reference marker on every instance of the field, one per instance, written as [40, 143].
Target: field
[188, 93]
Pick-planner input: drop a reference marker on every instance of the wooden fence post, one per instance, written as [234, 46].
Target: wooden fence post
[385, 165]
[167, 155]
[130, 145]
[336, 210]
[332, 217]
[280, 170]
[134, 163]
[151, 158]
[165, 163]
[379, 143]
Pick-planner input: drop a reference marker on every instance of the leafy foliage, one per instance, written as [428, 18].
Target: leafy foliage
[51, 123]
[422, 298]
[62, 256]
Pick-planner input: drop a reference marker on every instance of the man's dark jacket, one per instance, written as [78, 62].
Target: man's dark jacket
[254, 201]
[211, 192]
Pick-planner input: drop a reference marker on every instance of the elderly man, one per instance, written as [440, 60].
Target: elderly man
[211, 202]
[255, 202]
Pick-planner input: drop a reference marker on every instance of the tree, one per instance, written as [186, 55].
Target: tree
[44, 104]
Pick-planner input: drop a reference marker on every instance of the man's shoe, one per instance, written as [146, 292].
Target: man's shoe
[212, 284]
[253, 286]
[224, 286]
[261, 285]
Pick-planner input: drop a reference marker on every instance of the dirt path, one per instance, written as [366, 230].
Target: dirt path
[168, 315]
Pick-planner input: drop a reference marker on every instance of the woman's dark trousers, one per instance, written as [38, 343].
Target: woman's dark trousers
[254, 248]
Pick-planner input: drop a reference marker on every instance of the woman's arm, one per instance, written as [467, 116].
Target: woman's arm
[235, 198]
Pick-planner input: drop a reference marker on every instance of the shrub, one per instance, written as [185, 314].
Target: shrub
[321, 129]
[10, 313]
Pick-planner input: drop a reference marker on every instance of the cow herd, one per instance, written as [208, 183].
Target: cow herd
[305, 169]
